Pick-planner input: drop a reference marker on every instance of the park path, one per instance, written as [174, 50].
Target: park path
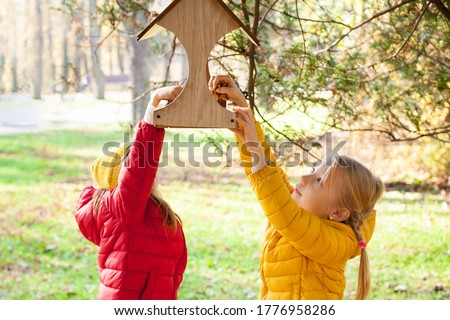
[19, 113]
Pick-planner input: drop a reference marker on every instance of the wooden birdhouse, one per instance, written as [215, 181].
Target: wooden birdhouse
[199, 25]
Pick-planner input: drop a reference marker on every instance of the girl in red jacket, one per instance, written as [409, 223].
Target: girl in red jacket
[142, 250]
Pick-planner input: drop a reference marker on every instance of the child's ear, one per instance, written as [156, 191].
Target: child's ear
[340, 214]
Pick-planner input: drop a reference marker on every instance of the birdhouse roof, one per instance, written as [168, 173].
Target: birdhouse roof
[154, 23]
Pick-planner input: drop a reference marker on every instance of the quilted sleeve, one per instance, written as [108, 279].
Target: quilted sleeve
[246, 160]
[128, 200]
[307, 233]
[84, 215]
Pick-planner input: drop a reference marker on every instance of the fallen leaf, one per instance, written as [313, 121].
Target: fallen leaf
[50, 247]
[401, 288]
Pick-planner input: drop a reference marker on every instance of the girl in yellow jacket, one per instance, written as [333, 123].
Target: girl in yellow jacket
[313, 228]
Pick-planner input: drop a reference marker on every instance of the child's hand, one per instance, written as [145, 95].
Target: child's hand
[234, 94]
[165, 93]
[248, 135]
[247, 130]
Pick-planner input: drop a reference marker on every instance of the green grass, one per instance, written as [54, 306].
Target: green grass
[44, 256]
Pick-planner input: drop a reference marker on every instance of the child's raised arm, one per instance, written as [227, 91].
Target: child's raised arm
[265, 157]
[137, 175]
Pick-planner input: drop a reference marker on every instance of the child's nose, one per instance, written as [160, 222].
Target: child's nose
[302, 180]
[305, 179]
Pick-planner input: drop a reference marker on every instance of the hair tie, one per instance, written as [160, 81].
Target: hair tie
[362, 244]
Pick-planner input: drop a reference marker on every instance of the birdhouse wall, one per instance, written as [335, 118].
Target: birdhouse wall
[198, 24]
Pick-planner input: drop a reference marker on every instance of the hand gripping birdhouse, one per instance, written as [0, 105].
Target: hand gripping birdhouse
[199, 25]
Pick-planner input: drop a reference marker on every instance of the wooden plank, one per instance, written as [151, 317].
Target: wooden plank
[159, 17]
[198, 27]
[248, 33]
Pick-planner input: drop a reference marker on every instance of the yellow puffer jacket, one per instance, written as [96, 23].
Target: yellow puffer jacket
[303, 257]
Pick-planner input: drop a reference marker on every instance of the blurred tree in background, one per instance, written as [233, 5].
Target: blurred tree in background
[376, 66]
[373, 66]
[355, 66]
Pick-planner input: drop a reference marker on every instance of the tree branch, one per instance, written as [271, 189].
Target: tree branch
[433, 134]
[284, 135]
[172, 54]
[416, 24]
[267, 12]
[238, 50]
[311, 20]
[252, 58]
[303, 37]
[379, 14]
[442, 8]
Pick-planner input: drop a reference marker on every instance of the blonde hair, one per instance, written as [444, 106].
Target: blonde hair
[359, 190]
[170, 218]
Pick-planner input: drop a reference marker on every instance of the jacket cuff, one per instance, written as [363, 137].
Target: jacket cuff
[148, 117]
[262, 174]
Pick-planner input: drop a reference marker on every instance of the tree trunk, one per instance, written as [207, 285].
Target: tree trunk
[36, 55]
[14, 77]
[65, 56]
[140, 72]
[2, 70]
[11, 47]
[98, 82]
[77, 48]
[77, 65]
[50, 59]
[120, 54]
[3, 50]
[110, 53]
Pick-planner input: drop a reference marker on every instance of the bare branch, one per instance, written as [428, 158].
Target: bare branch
[331, 21]
[267, 12]
[432, 134]
[172, 54]
[303, 36]
[223, 56]
[416, 24]
[442, 8]
[234, 49]
[114, 28]
[252, 57]
[245, 12]
[284, 135]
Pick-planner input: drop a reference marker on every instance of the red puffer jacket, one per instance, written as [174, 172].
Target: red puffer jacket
[139, 257]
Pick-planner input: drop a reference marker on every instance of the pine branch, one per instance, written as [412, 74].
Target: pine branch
[379, 14]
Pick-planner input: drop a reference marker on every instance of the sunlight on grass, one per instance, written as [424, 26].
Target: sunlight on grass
[44, 256]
